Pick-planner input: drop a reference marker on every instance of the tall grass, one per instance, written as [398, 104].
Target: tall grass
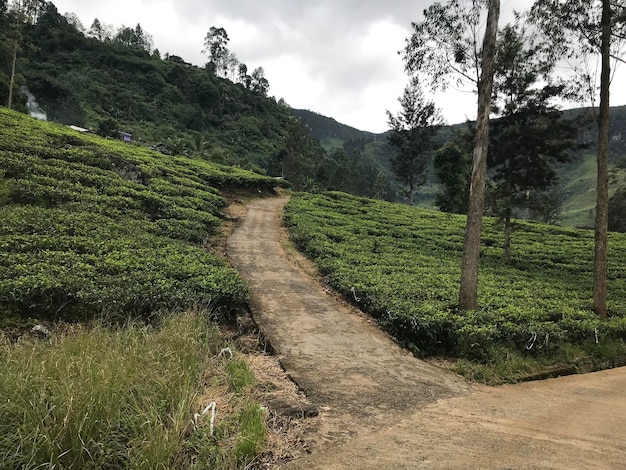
[97, 398]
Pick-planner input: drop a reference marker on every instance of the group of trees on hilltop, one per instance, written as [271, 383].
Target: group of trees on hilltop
[513, 73]
[225, 63]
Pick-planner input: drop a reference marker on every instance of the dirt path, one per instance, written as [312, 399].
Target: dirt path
[381, 408]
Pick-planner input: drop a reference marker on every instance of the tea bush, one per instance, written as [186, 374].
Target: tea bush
[92, 227]
[403, 266]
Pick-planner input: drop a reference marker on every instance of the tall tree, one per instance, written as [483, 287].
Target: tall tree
[216, 47]
[258, 83]
[530, 134]
[243, 73]
[412, 133]
[578, 28]
[231, 66]
[602, 204]
[468, 293]
[99, 31]
[301, 155]
[18, 11]
[445, 47]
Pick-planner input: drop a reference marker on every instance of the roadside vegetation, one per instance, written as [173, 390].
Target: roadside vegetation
[104, 244]
[402, 266]
[96, 397]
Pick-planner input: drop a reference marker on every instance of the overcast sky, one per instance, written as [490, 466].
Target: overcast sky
[335, 57]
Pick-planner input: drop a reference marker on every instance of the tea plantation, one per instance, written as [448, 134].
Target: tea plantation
[402, 265]
[93, 227]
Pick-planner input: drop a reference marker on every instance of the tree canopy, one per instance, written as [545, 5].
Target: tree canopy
[413, 131]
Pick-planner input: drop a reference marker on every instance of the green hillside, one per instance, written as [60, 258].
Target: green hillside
[107, 233]
[119, 84]
[112, 85]
[97, 227]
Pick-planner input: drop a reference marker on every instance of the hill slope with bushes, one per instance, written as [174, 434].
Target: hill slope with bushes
[95, 227]
[110, 85]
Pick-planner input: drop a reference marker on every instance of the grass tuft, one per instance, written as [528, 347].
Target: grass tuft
[121, 398]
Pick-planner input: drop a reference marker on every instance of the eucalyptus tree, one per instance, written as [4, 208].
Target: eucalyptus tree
[579, 28]
[216, 48]
[19, 11]
[445, 48]
[258, 82]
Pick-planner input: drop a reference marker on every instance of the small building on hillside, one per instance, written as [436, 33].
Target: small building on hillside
[126, 137]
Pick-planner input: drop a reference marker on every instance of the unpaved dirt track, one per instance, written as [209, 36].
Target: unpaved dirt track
[383, 409]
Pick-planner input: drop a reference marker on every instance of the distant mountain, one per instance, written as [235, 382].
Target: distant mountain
[577, 178]
[327, 130]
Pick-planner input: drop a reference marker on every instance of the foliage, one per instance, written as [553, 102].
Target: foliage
[574, 30]
[343, 172]
[412, 134]
[445, 46]
[452, 168]
[136, 38]
[617, 211]
[301, 154]
[216, 47]
[88, 78]
[124, 398]
[95, 227]
[403, 264]
[370, 172]
[530, 136]
[258, 83]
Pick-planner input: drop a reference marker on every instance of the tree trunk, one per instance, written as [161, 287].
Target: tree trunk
[507, 213]
[14, 59]
[468, 296]
[507, 236]
[602, 204]
[12, 81]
